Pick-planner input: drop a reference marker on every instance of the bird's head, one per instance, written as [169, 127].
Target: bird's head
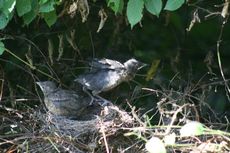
[47, 86]
[133, 65]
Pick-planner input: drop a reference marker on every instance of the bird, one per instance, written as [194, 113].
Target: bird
[106, 74]
[64, 102]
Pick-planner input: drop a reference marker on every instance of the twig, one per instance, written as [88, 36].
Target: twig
[174, 117]
[218, 57]
[104, 136]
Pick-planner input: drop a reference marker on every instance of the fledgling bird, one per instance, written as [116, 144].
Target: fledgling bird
[64, 102]
[106, 74]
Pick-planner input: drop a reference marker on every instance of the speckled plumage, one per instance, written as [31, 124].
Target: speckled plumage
[106, 74]
[98, 64]
[63, 102]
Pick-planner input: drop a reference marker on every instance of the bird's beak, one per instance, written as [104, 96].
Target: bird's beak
[141, 65]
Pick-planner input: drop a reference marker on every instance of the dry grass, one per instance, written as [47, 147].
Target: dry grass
[112, 129]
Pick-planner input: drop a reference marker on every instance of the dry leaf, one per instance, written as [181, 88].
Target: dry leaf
[224, 12]
[29, 58]
[103, 17]
[60, 47]
[195, 19]
[50, 50]
[84, 9]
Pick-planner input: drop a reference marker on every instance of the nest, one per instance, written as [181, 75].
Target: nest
[69, 135]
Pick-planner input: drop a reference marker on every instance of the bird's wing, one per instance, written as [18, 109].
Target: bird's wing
[105, 64]
[102, 80]
[60, 96]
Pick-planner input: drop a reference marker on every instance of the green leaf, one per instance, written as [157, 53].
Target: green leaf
[6, 12]
[116, 5]
[42, 1]
[8, 6]
[4, 19]
[30, 16]
[50, 18]
[47, 7]
[23, 7]
[173, 5]
[134, 11]
[192, 128]
[154, 6]
[2, 47]
[1, 4]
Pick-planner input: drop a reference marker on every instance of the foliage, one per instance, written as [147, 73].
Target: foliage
[173, 5]
[28, 10]
[2, 47]
[134, 11]
[135, 8]
[46, 9]
[116, 5]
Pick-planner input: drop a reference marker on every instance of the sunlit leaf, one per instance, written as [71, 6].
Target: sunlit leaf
[192, 129]
[173, 5]
[2, 47]
[8, 7]
[155, 145]
[170, 139]
[154, 6]
[23, 7]
[4, 19]
[134, 11]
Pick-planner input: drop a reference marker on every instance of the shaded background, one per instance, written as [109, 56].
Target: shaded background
[186, 58]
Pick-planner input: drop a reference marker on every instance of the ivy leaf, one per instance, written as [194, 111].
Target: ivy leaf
[23, 7]
[2, 47]
[116, 5]
[173, 5]
[47, 7]
[4, 19]
[6, 12]
[8, 6]
[29, 17]
[1, 4]
[154, 6]
[50, 18]
[134, 11]
[42, 1]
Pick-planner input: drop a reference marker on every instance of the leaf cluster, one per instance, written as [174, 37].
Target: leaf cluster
[135, 8]
[28, 10]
